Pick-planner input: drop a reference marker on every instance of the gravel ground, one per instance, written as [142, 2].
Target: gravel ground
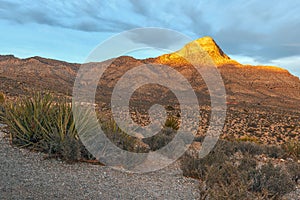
[26, 175]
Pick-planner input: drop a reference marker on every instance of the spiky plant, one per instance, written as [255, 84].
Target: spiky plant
[2, 98]
[172, 122]
[42, 122]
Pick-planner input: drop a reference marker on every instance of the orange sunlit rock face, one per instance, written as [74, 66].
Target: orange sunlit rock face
[198, 51]
[214, 51]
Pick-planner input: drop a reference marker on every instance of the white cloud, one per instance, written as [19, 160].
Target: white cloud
[246, 60]
[291, 63]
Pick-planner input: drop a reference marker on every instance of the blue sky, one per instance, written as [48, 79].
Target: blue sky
[252, 31]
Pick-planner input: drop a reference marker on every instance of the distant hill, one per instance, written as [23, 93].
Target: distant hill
[245, 84]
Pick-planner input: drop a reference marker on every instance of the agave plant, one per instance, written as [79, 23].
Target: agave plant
[25, 119]
[43, 122]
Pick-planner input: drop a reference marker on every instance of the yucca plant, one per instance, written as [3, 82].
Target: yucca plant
[46, 123]
[2, 101]
[25, 119]
[2, 98]
[172, 122]
[43, 122]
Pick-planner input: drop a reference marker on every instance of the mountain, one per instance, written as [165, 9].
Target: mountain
[254, 85]
[263, 101]
[20, 76]
[259, 85]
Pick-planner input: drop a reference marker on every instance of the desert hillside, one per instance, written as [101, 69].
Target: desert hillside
[263, 101]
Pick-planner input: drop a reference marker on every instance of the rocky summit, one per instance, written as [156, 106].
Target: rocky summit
[198, 49]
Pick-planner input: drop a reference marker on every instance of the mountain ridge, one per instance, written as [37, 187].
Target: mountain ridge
[259, 85]
[205, 43]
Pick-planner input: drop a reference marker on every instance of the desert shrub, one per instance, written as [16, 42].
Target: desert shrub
[226, 182]
[248, 139]
[226, 147]
[161, 139]
[170, 108]
[247, 162]
[120, 138]
[43, 123]
[258, 149]
[292, 148]
[199, 138]
[274, 151]
[172, 122]
[70, 148]
[198, 167]
[249, 148]
[272, 179]
[293, 169]
[225, 176]
[190, 166]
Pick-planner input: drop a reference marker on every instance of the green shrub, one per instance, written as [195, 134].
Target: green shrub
[172, 122]
[43, 123]
[2, 101]
[248, 139]
[161, 139]
[2, 98]
[121, 139]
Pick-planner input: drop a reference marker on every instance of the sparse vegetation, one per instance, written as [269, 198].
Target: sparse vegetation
[2, 98]
[226, 175]
[165, 136]
[120, 138]
[45, 123]
[272, 179]
[161, 139]
[292, 148]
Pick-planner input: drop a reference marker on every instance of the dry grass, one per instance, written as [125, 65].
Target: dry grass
[224, 175]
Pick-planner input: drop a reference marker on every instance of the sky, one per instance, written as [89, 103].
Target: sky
[249, 31]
